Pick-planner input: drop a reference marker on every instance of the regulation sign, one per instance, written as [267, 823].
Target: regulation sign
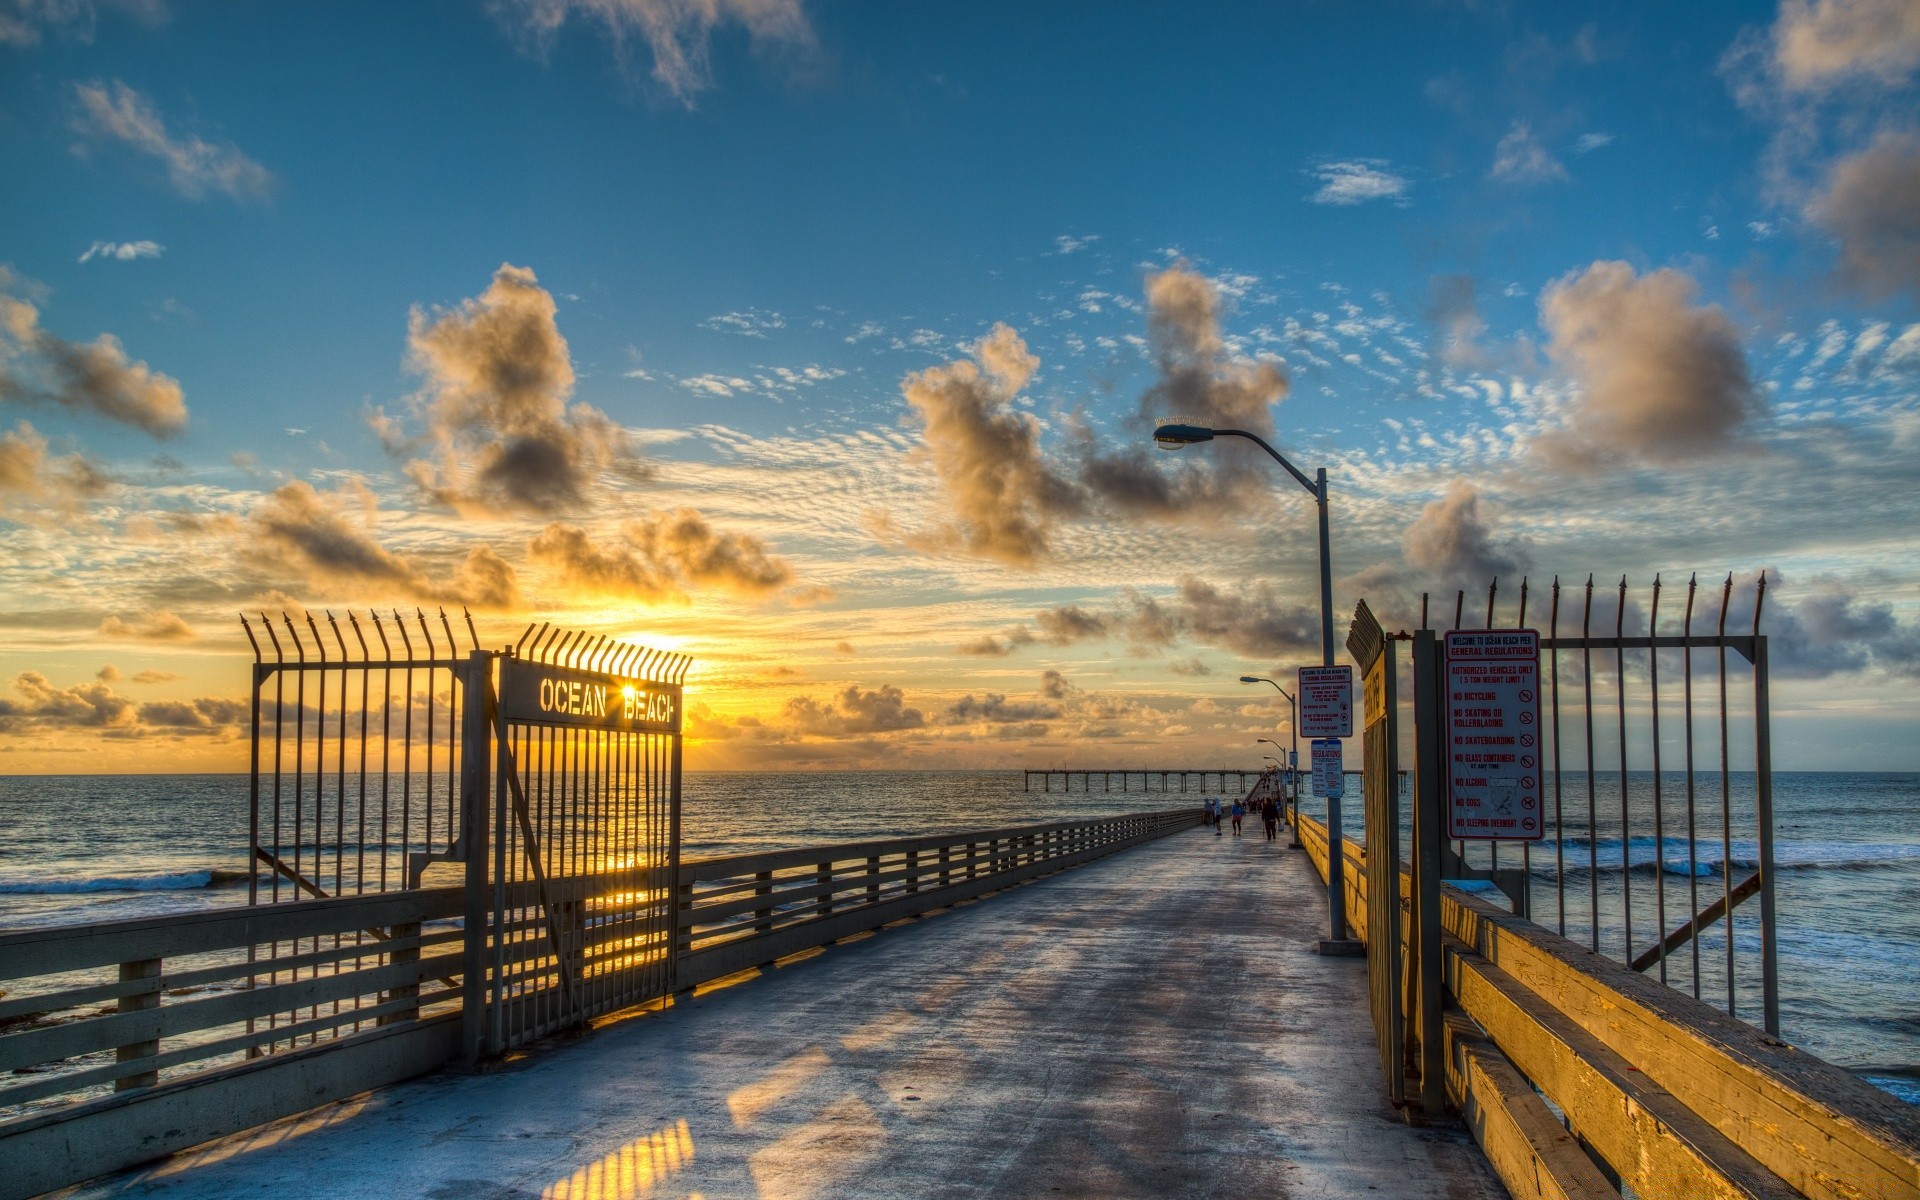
[1329, 777]
[1493, 735]
[537, 693]
[1326, 702]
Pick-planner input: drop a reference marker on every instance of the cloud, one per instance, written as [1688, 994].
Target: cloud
[1825, 43]
[1003, 493]
[39, 367]
[1520, 158]
[123, 251]
[1251, 620]
[1872, 204]
[660, 557]
[678, 33]
[1589, 142]
[498, 375]
[994, 709]
[25, 22]
[1450, 545]
[753, 322]
[37, 707]
[853, 713]
[34, 485]
[1454, 314]
[992, 646]
[155, 677]
[194, 165]
[1661, 378]
[1827, 631]
[1200, 380]
[327, 542]
[148, 627]
[1356, 181]
[1067, 244]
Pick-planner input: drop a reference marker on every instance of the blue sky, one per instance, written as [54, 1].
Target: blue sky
[750, 255]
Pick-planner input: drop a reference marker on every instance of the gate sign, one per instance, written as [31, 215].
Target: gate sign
[1493, 735]
[537, 693]
[1329, 779]
[1326, 702]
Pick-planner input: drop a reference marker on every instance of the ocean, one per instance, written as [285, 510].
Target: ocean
[93, 848]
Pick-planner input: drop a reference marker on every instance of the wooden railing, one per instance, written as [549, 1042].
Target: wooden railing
[1662, 1096]
[749, 909]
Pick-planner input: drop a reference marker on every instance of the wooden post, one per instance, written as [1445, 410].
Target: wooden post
[763, 886]
[873, 889]
[913, 871]
[823, 876]
[146, 968]
[406, 932]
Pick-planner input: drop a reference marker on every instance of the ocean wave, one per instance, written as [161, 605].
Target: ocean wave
[1646, 857]
[176, 881]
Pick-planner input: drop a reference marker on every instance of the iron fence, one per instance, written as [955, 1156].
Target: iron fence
[1657, 783]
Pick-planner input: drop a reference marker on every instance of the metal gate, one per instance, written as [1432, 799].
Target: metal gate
[576, 895]
[543, 777]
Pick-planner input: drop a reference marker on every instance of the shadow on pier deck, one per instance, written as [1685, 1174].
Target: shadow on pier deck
[1153, 1024]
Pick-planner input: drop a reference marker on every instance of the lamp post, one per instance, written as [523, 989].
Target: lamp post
[1173, 435]
[1293, 760]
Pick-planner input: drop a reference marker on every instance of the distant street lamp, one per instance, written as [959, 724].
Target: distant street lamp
[1173, 435]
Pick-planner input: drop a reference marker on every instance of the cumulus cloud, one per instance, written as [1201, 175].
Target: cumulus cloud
[1356, 181]
[1871, 203]
[1520, 158]
[159, 626]
[1662, 379]
[39, 367]
[677, 33]
[1828, 629]
[34, 484]
[194, 165]
[660, 557]
[1202, 380]
[1819, 44]
[326, 541]
[853, 713]
[37, 707]
[498, 375]
[1004, 494]
[1451, 545]
[123, 251]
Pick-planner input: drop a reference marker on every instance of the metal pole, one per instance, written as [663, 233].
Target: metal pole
[1763, 796]
[1336, 846]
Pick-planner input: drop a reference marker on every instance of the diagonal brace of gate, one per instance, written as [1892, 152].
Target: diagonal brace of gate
[530, 842]
[1713, 912]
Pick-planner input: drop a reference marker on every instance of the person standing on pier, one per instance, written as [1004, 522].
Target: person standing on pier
[1270, 817]
[1213, 814]
[1239, 811]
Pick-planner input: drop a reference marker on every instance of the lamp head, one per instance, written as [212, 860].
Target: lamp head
[1171, 435]
[1250, 679]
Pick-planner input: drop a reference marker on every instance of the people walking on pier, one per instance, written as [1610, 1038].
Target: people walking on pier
[1270, 817]
[1213, 814]
[1239, 811]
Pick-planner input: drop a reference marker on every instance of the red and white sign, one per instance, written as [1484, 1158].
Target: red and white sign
[1326, 702]
[1493, 735]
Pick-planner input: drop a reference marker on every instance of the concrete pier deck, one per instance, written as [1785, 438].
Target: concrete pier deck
[1152, 1025]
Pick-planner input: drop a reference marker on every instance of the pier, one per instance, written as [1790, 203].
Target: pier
[1170, 779]
[1149, 1025]
[553, 1002]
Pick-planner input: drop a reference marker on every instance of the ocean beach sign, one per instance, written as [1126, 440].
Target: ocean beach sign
[535, 693]
[1493, 735]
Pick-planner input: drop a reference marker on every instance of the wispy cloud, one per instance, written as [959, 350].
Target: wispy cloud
[754, 322]
[27, 22]
[1068, 244]
[1356, 181]
[1520, 158]
[123, 251]
[115, 112]
[678, 33]
[1589, 142]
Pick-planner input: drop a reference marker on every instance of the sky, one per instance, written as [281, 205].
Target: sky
[822, 342]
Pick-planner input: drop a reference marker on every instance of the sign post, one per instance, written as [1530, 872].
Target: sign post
[1492, 681]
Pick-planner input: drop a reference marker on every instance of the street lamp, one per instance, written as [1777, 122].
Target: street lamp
[1173, 435]
[1293, 762]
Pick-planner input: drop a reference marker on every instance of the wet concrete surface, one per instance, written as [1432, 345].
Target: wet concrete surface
[1155, 1024]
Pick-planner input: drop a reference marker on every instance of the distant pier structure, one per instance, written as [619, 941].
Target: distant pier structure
[1170, 779]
